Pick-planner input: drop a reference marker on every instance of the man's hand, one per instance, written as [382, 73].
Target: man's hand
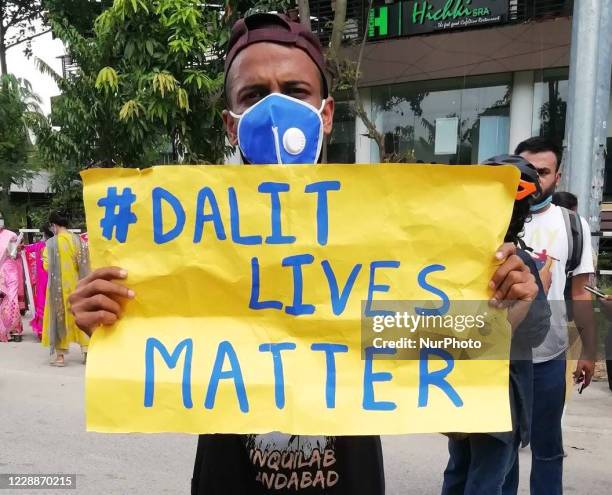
[96, 300]
[585, 369]
[585, 322]
[514, 285]
[512, 281]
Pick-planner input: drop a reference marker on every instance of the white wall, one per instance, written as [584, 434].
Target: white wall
[521, 108]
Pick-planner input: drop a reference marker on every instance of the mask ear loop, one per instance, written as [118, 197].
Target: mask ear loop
[239, 118]
[320, 146]
[277, 145]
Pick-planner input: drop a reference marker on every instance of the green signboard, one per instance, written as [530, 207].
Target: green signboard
[410, 17]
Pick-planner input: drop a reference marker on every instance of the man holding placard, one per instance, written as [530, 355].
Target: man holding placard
[279, 111]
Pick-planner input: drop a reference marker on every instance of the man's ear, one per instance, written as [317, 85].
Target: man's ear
[231, 127]
[327, 115]
[557, 178]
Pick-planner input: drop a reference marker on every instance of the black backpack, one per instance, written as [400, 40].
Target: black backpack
[575, 240]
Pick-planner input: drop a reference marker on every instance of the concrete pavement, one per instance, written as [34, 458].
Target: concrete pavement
[42, 430]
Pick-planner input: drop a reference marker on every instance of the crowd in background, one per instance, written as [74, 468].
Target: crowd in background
[37, 278]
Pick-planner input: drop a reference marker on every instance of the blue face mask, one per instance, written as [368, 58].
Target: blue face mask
[541, 205]
[280, 129]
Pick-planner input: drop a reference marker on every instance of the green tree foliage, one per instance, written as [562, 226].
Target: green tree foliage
[146, 87]
[167, 72]
[20, 23]
[80, 14]
[18, 112]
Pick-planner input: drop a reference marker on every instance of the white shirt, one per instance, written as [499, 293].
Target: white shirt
[546, 234]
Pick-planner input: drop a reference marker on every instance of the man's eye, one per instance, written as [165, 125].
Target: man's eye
[298, 93]
[253, 96]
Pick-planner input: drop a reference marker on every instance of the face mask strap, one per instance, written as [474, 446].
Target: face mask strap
[277, 145]
[323, 103]
[541, 205]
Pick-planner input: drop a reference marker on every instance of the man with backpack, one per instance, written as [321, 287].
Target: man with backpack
[560, 241]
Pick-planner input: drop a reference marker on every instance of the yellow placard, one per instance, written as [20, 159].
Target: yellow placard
[250, 283]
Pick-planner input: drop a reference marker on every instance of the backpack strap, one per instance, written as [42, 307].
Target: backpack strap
[573, 227]
[522, 245]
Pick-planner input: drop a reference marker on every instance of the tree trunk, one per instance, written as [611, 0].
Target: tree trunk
[3, 67]
[338, 27]
[304, 10]
[336, 66]
[5, 203]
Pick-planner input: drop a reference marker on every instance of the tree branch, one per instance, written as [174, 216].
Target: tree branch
[19, 15]
[338, 27]
[304, 10]
[338, 66]
[373, 133]
[26, 39]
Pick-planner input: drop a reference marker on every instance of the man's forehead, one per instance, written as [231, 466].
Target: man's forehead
[261, 61]
[542, 159]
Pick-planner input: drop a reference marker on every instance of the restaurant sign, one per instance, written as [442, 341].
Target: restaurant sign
[409, 17]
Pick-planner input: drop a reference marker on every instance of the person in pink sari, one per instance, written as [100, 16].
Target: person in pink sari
[38, 277]
[10, 317]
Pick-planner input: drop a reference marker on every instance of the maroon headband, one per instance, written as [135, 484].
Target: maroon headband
[274, 28]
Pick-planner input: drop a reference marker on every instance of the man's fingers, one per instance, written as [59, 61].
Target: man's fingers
[511, 264]
[504, 251]
[95, 303]
[585, 370]
[95, 311]
[106, 273]
[513, 278]
[522, 292]
[102, 286]
[511, 272]
[87, 321]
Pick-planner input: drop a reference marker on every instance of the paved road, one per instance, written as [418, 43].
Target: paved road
[42, 429]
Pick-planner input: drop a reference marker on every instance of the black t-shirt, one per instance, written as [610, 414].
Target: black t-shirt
[528, 335]
[275, 463]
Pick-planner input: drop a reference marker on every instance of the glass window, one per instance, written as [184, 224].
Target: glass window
[550, 103]
[341, 145]
[455, 121]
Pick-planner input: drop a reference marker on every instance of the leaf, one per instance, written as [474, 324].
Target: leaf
[164, 82]
[150, 46]
[107, 79]
[130, 110]
[183, 99]
[129, 49]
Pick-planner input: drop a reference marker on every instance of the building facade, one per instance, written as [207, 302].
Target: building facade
[453, 81]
